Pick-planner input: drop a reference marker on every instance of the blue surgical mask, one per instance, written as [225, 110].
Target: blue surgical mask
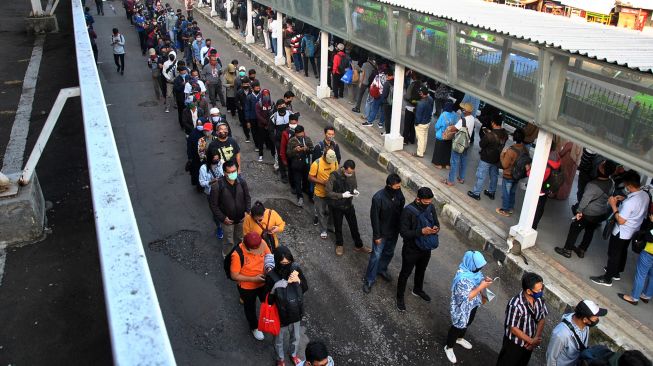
[232, 175]
[538, 295]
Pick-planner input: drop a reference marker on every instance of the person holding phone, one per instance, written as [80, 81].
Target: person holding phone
[118, 45]
[467, 294]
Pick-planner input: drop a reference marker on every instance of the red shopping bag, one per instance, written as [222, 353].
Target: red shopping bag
[268, 320]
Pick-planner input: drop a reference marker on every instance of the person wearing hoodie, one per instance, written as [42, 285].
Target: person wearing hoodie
[230, 86]
[250, 111]
[552, 163]
[241, 102]
[298, 157]
[263, 137]
[286, 286]
[317, 355]
[571, 336]
[169, 72]
[468, 292]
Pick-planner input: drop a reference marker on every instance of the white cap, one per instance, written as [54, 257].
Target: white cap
[214, 111]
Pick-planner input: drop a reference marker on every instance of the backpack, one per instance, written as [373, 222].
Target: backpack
[227, 260]
[493, 150]
[376, 88]
[555, 181]
[519, 167]
[595, 354]
[460, 141]
[425, 219]
[289, 299]
[344, 64]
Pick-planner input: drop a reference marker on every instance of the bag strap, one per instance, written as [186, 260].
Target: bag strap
[581, 345]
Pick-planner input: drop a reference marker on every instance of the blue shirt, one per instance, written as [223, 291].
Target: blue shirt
[139, 20]
[563, 349]
[445, 120]
[424, 111]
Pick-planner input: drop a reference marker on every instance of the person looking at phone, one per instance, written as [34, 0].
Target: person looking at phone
[468, 292]
[419, 227]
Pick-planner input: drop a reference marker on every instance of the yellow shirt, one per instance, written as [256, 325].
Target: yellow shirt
[250, 225]
[321, 170]
[649, 248]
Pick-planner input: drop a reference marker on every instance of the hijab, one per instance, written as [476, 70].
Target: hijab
[472, 261]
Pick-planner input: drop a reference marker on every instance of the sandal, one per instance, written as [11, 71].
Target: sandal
[461, 181]
[445, 181]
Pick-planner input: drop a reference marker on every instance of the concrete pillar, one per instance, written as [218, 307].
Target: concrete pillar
[229, 23]
[523, 231]
[249, 38]
[213, 12]
[323, 90]
[394, 141]
[279, 59]
[37, 8]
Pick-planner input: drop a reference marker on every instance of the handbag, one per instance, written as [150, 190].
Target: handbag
[449, 133]
[609, 226]
[268, 320]
[639, 242]
[355, 77]
[348, 76]
[266, 235]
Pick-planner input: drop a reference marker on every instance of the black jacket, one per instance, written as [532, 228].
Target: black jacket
[385, 213]
[409, 228]
[226, 204]
[191, 144]
[492, 144]
[288, 313]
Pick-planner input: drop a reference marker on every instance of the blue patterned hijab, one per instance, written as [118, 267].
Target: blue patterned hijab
[472, 260]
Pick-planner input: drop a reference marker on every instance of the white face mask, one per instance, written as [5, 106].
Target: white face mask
[215, 118]
[292, 126]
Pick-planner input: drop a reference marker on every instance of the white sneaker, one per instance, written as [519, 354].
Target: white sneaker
[300, 202]
[167, 109]
[260, 159]
[450, 355]
[464, 343]
[258, 335]
[256, 149]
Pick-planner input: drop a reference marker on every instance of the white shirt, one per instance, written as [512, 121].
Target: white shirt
[274, 28]
[633, 209]
[189, 88]
[469, 123]
[203, 53]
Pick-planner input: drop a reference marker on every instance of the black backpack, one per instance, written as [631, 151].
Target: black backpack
[344, 64]
[555, 181]
[519, 167]
[289, 299]
[227, 260]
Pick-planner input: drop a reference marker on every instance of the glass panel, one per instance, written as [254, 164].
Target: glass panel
[422, 40]
[335, 21]
[309, 11]
[369, 22]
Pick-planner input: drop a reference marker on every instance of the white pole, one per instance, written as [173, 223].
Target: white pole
[394, 141]
[213, 12]
[279, 59]
[523, 231]
[37, 8]
[323, 90]
[229, 23]
[249, 38]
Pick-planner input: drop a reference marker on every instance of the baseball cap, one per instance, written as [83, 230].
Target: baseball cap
[252, 240]
[208, 126]
[589, 308]
[330, 156]
[214, 111]
[467, 107]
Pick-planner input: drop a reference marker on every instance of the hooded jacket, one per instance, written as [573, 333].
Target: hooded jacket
[170, 68]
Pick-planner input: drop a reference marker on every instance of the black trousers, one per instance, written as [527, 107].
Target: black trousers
[412, 257]
[409, 127]
[539, 210]
[338, 86]
[299, 178]
[243, 123]
[589, 224]
[387, 114]
[120, 61]
[513, 355]
[350, 214]
[195, 166]
[617, 255]
[262, 139]
[99, 6]
[249, 304]
[455, 333]
[231, 105]
[180, 98]
[141, 40]
[253, 129]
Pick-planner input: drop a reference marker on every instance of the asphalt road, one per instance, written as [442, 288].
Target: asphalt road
[200, 306]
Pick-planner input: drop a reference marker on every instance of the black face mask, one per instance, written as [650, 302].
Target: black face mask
[477, 270]
[282, 111]
[222, 135]
[593, 324]
[284, 270]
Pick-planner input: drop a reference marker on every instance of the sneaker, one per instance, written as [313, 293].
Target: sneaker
[276, 165]
[367, 124]
[258, 335]
[503, 213]
[580, 252]
[401, 305]
[256, 149]
[295, 360]
[323, 235]
[260, 159]
[356, 110]
[340, 250]
[489, 194]
[300, 202]
[219, 232]
[316, 220]
[563, 252]
[422, 294]
[474, 195]
[247, 140]
[386, 276]
[367, 288]
[464, 343]
[380, 126]
[601, 280]
[365, 250]
[450, 355]
[167, 109]
[615, 278]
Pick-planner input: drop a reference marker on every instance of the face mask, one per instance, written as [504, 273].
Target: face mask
[242, 73]
[171, 57]
[232, 176]
[292, 126]
[222, 135]
[208, 44]
[538, 295]
[215, 119]
[282, 111]
[200, 127]
[477, 270]
[349, 174]
[184, 76]
[198, 96]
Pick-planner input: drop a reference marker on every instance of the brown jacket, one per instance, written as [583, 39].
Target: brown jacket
[508, 158]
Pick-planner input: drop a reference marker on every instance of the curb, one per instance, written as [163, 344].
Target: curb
[618, 335]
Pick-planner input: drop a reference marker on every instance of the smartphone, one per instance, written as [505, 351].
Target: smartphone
[496, 279]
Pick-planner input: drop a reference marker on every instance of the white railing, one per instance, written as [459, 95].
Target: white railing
[138, 333]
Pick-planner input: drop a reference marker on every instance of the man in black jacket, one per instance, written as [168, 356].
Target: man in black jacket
[491, 145]
[229, 201]
[413, 256]
[194, 163]
[385, 214]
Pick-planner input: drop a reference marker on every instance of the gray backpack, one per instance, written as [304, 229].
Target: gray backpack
[460, 141]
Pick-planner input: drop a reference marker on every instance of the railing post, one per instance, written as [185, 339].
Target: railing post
[323, 90]
[249, 37]
[229, 23]
[279, 59]
[394, 141]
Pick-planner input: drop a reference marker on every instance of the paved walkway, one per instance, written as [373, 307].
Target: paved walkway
[553, 226]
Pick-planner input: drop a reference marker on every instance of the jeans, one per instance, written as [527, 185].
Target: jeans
[589, 224]
[617, 255]
[274, 46]
[412, 257]
[294, 332]
[483, 171]
[374, 110]
[508, 194]
[119, 59]
[297, 59]
[249, 304]
[456, 333]
[380, 258]
[458, 165]
[233, 234]
[643, 271]
[322, 212]
[350, 214]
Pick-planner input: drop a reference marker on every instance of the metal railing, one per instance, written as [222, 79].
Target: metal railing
[138, 333]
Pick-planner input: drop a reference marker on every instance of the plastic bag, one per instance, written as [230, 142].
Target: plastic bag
[268, 321]
[348, 76]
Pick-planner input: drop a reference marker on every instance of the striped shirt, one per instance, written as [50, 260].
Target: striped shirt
[520, 314]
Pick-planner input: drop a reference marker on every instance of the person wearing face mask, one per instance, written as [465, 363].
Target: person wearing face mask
[241, 102]
[178, 88]
[280, 120]
[263, 112]
[211, 73]
[217, 119]
[317, 355]
[230, 87]
[210, 172]
[197, 46]
[191, 116]
[192, 83]
[204, 52]
[204, 141]
[283, 163]
[298, 157]
[194, 162]
[228, 147]
[571, 336]
[524, 324]
[288, 97]
[467, 294]
[286, 286]
[169, 72]
[250, 112]
[240, 77]
[385, 214]
[418, 225]
[230, 201]
[341, 188]
[265, 222]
